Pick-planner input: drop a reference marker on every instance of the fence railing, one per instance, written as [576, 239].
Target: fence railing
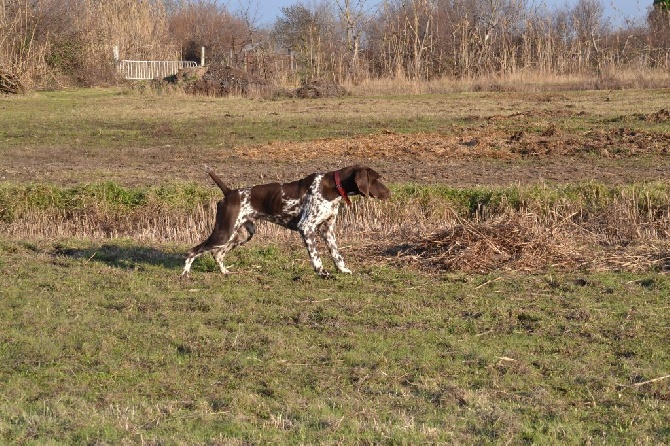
[151, 69]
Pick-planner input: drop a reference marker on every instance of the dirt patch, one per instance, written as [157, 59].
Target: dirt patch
[490, 144]
[462, 159]
[216, 80]
[488, 157]
[663, 115]
[319, 88]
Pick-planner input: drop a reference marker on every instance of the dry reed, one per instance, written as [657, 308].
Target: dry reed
[615, 229]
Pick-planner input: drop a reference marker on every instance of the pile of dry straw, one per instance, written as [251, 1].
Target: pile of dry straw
[519, 242]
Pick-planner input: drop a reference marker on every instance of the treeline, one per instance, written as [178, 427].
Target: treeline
[53, 43]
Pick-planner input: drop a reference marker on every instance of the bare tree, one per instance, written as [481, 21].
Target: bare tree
[587, 23]
[70, 41]
[82, 33]
[353, 16]
[407, 34]
[305, 33]
[659, 35]
[195, 24]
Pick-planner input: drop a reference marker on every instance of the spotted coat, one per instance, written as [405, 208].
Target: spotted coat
[308, 205]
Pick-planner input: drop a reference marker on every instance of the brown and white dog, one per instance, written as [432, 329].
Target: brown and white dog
[308, 206]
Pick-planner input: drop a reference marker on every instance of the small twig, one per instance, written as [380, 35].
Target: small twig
[560, 223]
[309, 301]
[504, 359]
[488, 282]
[661, 378]
[90, 258]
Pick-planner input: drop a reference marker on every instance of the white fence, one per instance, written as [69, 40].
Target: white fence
[151, 69]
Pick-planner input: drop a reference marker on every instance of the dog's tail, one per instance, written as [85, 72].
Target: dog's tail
[225, 189]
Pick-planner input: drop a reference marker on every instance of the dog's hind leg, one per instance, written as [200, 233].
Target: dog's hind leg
[193, 254]
[218, 251]
[224, 237]
[243, 234]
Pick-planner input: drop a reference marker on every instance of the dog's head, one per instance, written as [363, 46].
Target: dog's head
[365, 181]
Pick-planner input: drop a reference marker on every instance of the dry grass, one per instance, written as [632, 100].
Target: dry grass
[476, 231]
[517, 242]
[523, 81]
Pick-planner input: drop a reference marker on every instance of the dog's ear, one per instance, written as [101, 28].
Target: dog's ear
[363, 182]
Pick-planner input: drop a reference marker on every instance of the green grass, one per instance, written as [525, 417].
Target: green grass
[100, 119]
[102, 343]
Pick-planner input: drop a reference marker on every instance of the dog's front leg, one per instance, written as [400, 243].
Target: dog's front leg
[308, 236]
[328, 234]
[307, 227]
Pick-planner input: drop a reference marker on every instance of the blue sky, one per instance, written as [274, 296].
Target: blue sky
[617, 10]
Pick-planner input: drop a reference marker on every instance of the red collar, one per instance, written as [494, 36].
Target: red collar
[340, 189]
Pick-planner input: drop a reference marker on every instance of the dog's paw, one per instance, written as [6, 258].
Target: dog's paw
[325, 274]
[345, 270]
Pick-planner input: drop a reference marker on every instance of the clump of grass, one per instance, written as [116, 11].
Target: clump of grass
[550, 203]
[20, 200]
[517, 242]
[103, 210]
[474, 202]
[570, 227]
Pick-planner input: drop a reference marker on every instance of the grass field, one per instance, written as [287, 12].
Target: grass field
[488, 305]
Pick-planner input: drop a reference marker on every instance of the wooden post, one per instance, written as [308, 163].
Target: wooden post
[202, 56]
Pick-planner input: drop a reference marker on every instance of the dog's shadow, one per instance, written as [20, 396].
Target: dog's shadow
[124, 256]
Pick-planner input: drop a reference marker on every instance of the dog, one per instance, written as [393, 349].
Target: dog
[308, 205]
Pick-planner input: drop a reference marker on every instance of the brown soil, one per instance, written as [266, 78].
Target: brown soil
[489, 158]
[485, 157]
